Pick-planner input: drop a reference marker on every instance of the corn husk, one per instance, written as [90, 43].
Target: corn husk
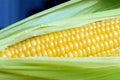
[72, 14]
[39, 68]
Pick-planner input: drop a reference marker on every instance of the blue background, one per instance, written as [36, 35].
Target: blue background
[12, 11]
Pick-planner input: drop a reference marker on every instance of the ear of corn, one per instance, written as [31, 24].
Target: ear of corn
[92, 28]
[88, 40]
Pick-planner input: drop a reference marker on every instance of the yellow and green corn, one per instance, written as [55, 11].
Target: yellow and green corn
[100, 38]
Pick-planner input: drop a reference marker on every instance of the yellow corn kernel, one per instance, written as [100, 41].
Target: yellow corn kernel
[88, 40]
[110, 52]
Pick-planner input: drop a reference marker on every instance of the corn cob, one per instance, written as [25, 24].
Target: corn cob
[94, 39]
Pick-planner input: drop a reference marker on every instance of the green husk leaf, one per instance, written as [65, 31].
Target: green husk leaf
[71, 7]
[76, 7]
[71, 13]
[44, 68]
[63, 24]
